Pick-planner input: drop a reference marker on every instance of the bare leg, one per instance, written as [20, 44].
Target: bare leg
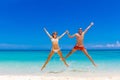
[71, 52]
[86, 53]
[48, 59]
[61, 56]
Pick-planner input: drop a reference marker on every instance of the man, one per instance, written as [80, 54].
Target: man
[79, 44]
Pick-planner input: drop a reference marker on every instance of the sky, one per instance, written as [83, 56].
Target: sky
[22, 23]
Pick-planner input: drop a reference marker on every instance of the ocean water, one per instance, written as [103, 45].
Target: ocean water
[30, 62]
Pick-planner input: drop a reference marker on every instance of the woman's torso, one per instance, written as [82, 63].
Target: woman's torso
[55, 44]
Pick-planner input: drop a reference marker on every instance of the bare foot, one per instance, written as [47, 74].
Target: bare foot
[95, 65]
[42, 68]
[67, 65]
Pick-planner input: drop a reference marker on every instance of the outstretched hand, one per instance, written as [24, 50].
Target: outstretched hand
[91, 23]
[44, 28]
[67, 31]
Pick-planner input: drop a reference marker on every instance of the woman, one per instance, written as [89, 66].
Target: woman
[55, 47]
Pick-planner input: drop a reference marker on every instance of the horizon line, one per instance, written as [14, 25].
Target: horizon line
[50, 49]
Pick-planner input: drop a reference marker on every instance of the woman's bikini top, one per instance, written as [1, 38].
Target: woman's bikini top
[54, 40]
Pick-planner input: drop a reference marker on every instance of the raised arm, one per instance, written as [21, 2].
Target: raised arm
[62, 35]
[47, 33]
[91, 24]
[70, 36]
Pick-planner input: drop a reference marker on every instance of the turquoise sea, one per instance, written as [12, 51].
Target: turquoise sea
[30, 62]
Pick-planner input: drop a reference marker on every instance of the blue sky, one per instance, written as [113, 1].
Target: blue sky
[22, 22]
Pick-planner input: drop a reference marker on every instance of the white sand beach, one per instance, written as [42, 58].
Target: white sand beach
[63, 76]
[29, 77]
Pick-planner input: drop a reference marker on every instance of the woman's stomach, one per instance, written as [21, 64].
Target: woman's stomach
[55, 46]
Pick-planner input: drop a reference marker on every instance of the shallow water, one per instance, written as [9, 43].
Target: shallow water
[30, 62]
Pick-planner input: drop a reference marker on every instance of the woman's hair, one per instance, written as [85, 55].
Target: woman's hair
[54, 33]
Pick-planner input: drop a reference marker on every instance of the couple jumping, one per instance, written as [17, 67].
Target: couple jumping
[79, 45]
